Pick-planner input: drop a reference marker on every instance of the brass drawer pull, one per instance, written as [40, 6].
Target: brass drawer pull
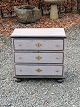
[38, 45]
[38, 57]
[38, 70]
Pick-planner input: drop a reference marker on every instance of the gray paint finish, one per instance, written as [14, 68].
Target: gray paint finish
[39, 32]
[38, 52]
[39, 57]
[37, 44]
[38, 70]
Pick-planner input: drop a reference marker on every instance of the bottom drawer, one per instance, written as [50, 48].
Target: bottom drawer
[39, 70]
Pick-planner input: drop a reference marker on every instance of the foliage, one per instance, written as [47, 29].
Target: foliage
[7, 6]
[67, 20]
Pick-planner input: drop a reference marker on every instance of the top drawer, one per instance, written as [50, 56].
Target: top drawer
[38, 44]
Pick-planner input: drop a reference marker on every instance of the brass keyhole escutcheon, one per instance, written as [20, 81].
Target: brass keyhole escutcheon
[38, 57]
[38, 45]
[38, 70]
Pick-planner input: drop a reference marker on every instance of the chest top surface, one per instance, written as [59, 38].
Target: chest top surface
[38, 32]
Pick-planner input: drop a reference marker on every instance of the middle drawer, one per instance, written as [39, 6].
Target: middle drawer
[38, 57]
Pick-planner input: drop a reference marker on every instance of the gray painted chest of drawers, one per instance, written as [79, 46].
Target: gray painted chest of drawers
[38, 52]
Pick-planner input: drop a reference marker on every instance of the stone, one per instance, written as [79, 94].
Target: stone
[54, 9]
[27, 13]
[54, 12]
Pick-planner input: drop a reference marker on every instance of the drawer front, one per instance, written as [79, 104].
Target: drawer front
[38, 44]
[39, 57]
[38, 70]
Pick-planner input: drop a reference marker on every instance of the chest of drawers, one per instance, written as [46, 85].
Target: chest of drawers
[38, 52]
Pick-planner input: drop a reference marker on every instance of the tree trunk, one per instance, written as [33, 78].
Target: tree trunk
[78, 6]
[1, 11]
[40, 6]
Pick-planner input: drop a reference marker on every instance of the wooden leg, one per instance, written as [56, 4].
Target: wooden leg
[60, 80]
[18, 79]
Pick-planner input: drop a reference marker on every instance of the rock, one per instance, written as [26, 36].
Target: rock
[27, 13]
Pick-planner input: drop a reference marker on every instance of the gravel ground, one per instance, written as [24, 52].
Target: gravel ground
[42, 92]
